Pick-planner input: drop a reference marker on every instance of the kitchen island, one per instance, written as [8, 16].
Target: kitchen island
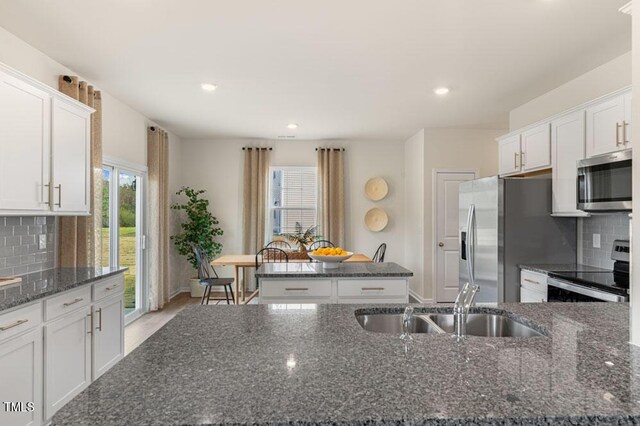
[274, 364]
[346, 283]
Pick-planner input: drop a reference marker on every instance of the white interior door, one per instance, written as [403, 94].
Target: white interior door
[446, 232]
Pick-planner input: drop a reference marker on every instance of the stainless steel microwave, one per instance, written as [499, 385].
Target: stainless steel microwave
[604, 183]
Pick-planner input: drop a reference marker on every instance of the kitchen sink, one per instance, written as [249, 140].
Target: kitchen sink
[392, 323]
[486, 325]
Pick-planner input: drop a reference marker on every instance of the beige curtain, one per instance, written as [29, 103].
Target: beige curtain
[331, 194]
[256, 177]
[158, 206]
[80, 238]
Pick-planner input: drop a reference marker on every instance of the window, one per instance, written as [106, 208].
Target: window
[293, 198]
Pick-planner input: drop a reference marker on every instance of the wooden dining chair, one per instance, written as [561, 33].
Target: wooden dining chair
[379, 256]
[209, 277]
[271, 255]
[282, 245]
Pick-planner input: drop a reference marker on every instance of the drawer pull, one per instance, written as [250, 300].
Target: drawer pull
[74, 301]
[296, 289]
[530, 281]
[372, 288]
[99, 327]
[112, 287]
[90, 316]
[15, 324]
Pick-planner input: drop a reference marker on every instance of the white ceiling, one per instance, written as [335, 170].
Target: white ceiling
[340, 68]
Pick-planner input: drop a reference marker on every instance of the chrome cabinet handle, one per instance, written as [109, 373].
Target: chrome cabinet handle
[618, 133]
[59, 188]
[99, 327]
[624, 133]
[372, 288]
[296, 289]
[48, 201]
[530, 281]
[15, 324]
[111, 288]
[515, 160]
[73, 302]
[522, 159]
[90, 316]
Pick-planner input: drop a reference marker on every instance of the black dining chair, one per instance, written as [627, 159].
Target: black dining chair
[271, 255]
[282, 245]
[320, 244]
[209, 277]
[379, 256]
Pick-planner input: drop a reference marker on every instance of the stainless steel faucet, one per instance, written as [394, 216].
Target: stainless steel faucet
[406, 323]
[464, 301]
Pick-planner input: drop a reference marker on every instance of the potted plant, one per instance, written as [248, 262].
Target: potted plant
[200, 228]
[302, 237]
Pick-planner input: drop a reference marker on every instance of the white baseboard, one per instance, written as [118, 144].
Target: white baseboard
[419, 298]
[178, 291]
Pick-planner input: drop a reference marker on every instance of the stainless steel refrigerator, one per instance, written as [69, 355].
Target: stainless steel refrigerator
[504, 223]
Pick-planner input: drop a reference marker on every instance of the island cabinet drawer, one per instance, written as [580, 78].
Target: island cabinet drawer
[372, 288]
[108, 287]
[68, 301]
[295, 289]
[22, 319]
[533, 280]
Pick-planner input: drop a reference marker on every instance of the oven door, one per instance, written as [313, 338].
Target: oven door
[604, 183]
[572, 292]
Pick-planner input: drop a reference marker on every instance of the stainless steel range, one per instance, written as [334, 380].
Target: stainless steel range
[609, 286]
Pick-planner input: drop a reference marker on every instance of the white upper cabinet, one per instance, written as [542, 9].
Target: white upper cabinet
[568, 146]
[71, 138]
[536, 148]
[608, 126]
[25, 140]
[44, 149]
[510, 159]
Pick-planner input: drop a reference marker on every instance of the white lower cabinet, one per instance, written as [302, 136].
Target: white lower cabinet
[108, 334]
[334, 290]
[51, 350]
[21, 379]
[67, 359]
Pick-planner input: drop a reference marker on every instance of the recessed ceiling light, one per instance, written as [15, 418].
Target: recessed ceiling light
[292, 126]
[441, 91]
[208, 87]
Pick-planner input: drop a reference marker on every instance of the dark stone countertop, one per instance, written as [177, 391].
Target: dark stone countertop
[273, 364]
[316, 270]
[545, 268]
[38, 285]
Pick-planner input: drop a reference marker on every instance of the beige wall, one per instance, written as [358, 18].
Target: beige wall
[124, 129]
[414, 173]
[474, 149]
[607, 78]
[216, 165]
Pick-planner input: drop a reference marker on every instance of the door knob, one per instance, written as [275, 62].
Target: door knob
[440, 244]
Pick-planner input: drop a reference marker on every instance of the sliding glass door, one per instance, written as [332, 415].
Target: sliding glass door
[123, 231]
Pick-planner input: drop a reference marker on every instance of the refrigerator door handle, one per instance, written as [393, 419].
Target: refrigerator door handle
[470, 242]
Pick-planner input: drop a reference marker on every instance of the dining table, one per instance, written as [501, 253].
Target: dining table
[241, 262]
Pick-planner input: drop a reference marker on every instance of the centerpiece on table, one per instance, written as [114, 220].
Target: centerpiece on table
[330, 256]
[303, 237]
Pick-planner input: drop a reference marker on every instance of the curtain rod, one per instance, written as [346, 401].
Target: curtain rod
[330, 149]
[256, 148]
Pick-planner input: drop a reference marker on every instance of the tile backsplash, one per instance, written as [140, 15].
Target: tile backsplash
[610, 227]
[19, 248]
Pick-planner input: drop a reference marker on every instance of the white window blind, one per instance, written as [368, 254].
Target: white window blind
[293, 198]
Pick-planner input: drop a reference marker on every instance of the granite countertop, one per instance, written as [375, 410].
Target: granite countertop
[316, 270]
[38, 285]
[278, 365]
[545, 268]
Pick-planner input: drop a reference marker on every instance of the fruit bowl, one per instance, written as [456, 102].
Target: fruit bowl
[330, 261]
